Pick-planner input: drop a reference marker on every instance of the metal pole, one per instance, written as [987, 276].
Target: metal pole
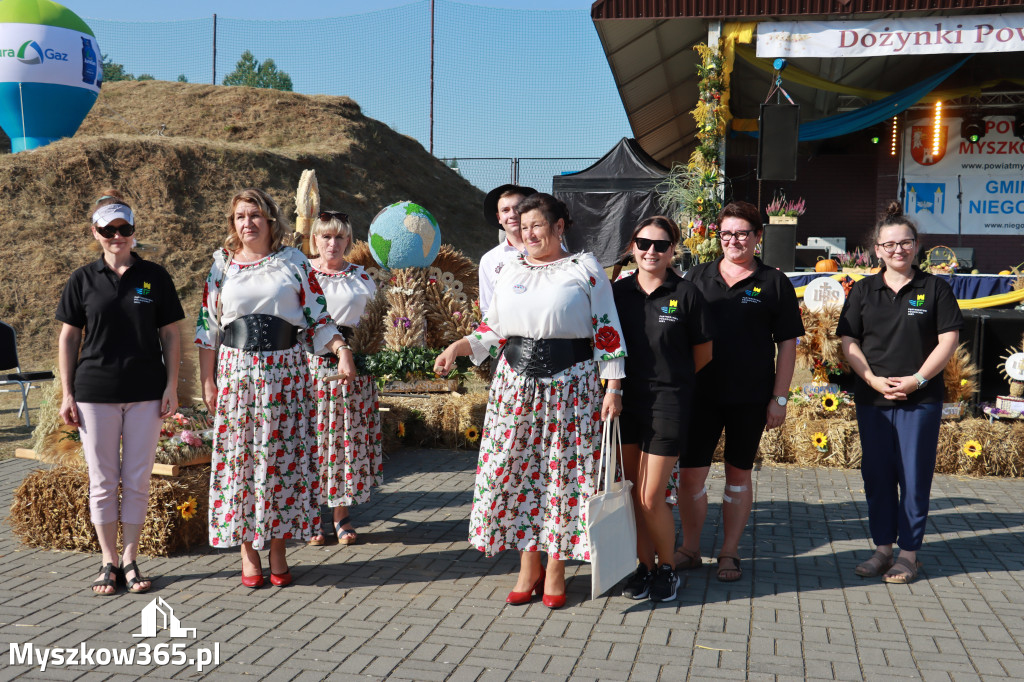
[431, 77]
[214, 49]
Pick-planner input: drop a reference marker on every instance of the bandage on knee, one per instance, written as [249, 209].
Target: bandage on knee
[733, 489]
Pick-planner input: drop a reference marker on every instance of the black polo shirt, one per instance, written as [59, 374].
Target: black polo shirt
[660, 330]
[897, 331]
[121, 360]
[750, 317]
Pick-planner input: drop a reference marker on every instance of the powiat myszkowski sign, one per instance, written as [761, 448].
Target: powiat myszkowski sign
[989, 174]
[893, 36]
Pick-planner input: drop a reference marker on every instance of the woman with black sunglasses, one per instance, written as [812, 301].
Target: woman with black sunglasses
[667, 330]
[122, 384]
[744, 389]
[348, 462]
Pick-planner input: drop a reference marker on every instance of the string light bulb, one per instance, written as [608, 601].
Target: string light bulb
[895, 135]
[937, 129]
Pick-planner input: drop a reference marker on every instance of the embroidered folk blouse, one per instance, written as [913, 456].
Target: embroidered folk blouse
[347, 293]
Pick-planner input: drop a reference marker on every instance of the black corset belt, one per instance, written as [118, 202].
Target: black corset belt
[253, 333]
[538, 358]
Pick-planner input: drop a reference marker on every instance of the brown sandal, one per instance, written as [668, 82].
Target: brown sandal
[723, 570]
[687, 560]
[879, 563]
[900, 577]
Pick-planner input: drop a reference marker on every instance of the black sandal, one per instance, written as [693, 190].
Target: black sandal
[345, 536]
[132, 566]
[106, 581]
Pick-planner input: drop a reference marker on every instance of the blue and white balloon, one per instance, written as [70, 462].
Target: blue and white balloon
[50, 72]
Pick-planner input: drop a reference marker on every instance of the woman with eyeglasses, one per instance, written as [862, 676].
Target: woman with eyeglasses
[262, 308]
[666, 328]
[899, 328]
[348, 461]
[122, 384]
[744, 388]
[553, 325]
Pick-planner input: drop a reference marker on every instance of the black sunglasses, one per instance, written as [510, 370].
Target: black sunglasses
[109, 231]
[327, 215]
[660, 245]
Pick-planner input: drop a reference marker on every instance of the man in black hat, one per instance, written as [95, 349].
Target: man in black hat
[500, 211]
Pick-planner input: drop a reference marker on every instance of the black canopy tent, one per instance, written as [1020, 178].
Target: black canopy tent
[608, 199]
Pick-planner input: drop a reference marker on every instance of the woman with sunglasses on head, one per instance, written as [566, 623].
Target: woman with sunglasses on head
[348, 459]
[744, 388]
[122, 384]
[262, 308]
[666, 328]
[899, 328]
[553, 325]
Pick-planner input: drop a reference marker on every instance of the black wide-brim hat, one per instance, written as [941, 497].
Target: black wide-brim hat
[491, 201]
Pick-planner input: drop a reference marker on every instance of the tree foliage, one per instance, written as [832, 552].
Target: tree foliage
[112, 71]
[251, 72]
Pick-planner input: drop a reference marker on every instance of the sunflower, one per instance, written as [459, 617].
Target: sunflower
[820, 441]
[830, 401]
[972, 448]
[401, 429]
[188, 508]
[472, 434]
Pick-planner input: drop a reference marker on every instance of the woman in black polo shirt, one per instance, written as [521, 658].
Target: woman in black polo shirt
[665, 324]
[745, 386]
[123, 383]
[899, 329]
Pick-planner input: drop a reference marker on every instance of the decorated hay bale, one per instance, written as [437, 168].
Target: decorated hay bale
[976, 447]
[51, 510]
[451, 420]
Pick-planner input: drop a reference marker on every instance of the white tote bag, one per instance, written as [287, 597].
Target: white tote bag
[611, 525]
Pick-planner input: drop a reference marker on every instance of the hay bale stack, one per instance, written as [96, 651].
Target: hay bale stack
[51, 510]
[438, 421]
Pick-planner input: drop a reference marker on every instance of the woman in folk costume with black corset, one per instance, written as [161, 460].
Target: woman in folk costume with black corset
[348, 461]
[261, 307]
[553, 323]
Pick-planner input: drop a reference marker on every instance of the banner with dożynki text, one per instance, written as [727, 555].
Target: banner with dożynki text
[892, 36]
[988, 173]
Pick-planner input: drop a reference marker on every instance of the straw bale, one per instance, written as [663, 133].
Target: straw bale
[1002, 448]
[51, 510]
[440, 420]
[842, 449]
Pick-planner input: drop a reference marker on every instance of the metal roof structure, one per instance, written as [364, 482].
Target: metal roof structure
[649, 46]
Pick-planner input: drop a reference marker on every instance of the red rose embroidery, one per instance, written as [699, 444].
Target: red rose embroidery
[607, 339]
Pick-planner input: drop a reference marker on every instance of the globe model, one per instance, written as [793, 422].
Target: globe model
[404, 235]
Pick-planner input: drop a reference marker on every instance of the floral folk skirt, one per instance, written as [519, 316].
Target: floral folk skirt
[538, 463]
[347, 461]
[260, 487]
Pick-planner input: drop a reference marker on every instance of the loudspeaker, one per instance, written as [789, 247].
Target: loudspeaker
[778, 247]
[988, 334]
[778, 131]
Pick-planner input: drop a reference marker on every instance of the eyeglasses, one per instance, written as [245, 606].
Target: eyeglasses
[660, 245]
[108, 231]
[740, 235]
[328, 215]
[890, 247]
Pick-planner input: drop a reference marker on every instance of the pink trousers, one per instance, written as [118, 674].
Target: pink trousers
[119, 441]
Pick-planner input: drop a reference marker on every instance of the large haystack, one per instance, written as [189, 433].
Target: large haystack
[179, 151]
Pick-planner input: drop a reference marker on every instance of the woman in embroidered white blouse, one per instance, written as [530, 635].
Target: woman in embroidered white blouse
[553, 324]
[348, 461]
[257, 385]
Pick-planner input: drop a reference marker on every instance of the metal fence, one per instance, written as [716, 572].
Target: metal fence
[532, 87]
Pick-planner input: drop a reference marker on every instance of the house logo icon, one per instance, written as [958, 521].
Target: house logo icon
[158, 614]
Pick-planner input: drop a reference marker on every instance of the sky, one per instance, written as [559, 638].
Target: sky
[554, 105]
[136, 10]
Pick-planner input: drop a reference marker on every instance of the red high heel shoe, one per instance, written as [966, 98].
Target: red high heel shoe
[281, 579]
[253, 581]
[517, 598]
[554, 601]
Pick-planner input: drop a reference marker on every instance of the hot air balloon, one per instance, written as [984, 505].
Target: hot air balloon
[50, 72]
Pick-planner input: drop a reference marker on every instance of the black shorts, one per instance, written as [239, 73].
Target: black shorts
[743, 426]
[655, 434]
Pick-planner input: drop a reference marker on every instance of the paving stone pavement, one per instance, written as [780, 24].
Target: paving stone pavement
[413, 601]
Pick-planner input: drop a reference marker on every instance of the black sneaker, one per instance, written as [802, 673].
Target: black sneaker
[664, 584]
[639, 584]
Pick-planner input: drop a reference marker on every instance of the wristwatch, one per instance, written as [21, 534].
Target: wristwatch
[614, 391]
[921, 381]
[781, 400]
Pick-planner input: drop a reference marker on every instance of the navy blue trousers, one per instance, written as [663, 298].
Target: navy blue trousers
[899, 446]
